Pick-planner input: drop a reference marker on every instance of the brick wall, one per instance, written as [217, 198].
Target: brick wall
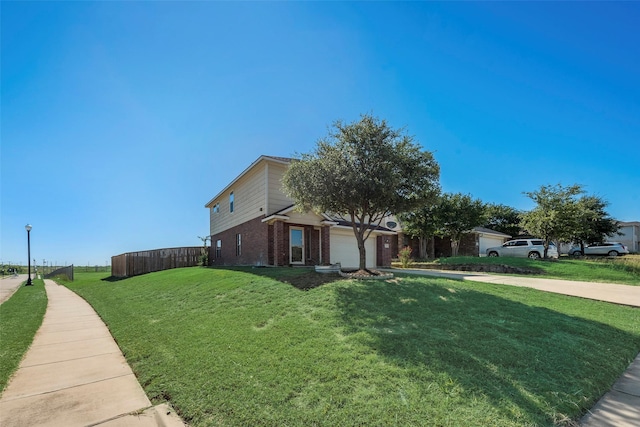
[254, 248]
[468, 246]
[384, 251]
[326, 245]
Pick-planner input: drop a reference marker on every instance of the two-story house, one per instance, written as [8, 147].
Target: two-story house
[253, 222]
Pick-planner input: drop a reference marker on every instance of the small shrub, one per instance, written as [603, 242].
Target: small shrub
[405, 256]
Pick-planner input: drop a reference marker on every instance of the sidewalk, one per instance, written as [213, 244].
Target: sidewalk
[75, 375]
[620, 406]
[9, 284]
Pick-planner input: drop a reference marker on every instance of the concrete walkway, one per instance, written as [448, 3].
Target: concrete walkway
[620, 406]
[609, 292]
[9, 284]
[74, 374]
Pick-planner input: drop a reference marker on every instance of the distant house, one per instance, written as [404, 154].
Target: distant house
[473, 243]
[253, 222]
[629, 236]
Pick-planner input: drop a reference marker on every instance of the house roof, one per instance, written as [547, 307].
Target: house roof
[378, 228]
[283, 160]
[334, 221]
[485, 230]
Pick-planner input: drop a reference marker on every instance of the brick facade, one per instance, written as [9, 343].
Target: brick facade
[469, 246]
[326, 245]
[266, 244]
[384, 250]
[254, 249]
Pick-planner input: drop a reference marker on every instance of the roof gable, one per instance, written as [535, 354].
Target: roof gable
[261, 159]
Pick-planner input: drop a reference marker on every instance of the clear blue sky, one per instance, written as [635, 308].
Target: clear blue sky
[120, 120]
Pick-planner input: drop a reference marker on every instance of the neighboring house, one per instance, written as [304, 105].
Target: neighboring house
[629, 236]
[473, 243]
[253, 222]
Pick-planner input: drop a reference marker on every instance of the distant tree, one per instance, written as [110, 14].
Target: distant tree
[458, 214]
[504, 219]
[555, 216]
[204, 252]
[422, 223]
[593, 223]
[363, 170]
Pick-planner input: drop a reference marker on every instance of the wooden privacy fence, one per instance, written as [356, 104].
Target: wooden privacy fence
[136, 263]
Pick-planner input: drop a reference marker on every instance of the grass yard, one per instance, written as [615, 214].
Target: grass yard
[623, 270]
[20, 317]
[238, 347]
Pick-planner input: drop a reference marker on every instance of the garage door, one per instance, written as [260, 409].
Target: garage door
[344, 249]
[488, 242]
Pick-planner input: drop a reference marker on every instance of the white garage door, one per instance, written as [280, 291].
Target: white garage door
[344, 249]
[488, 242]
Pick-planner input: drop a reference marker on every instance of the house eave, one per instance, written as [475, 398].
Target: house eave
[272, 218]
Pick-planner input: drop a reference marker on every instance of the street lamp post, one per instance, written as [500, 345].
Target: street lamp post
[28, 228]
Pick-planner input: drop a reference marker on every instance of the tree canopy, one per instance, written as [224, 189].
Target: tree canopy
[458, 214]
[363, 170]
[553, 217]
[566, 214]
[422, 223]
[593, 223]
[504, 219]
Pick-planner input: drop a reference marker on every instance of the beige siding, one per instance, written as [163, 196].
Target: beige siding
[304, 218]
[277, 199]
[249, 197]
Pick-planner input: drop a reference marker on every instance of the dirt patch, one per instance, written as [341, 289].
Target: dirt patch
[310, 280]
[366, 274]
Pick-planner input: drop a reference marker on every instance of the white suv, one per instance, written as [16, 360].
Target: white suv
[523, 248]
[606, 248]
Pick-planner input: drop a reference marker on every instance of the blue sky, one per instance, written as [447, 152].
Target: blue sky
[120, 120]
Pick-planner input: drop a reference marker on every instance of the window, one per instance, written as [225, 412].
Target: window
[216, 208]
[218, 248]
[231, 198]
[238, 244]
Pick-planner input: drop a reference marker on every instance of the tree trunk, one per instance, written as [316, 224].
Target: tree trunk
[454, 247]
[422, 248]
[363, 254]
[432, 247]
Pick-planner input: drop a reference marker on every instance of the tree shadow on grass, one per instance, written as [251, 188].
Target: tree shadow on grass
[533, 364]
[303, 279]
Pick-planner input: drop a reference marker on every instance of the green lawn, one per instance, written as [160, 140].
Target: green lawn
[20, 317]
[623, 270]
[238, 347]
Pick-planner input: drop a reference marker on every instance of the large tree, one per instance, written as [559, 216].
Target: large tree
[422, 223]
[458, 213]
[554, 218]
[504, 219]
[363, 170]
[593, 223]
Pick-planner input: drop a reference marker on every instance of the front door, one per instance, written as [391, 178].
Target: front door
[296, 245]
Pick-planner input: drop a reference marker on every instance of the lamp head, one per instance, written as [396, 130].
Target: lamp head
[27, 227]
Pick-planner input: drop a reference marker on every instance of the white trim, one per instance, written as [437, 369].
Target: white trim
[373, 233]
[275, 217]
